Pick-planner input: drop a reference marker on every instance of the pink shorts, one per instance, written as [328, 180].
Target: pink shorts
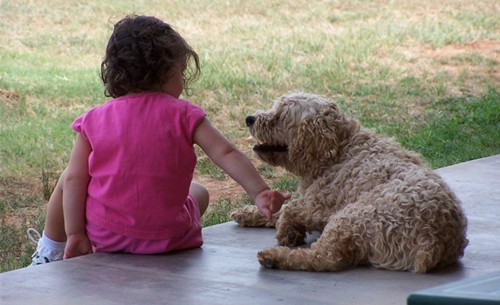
[106, 241]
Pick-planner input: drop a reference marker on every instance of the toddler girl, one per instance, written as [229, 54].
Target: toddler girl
[128, 185]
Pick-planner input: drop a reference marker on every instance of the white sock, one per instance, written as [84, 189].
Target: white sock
[53, 250]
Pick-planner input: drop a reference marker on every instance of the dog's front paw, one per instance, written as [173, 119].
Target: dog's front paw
[274, 258]
[250, 216]
[245, 216]
[238, 216]
[267, 259]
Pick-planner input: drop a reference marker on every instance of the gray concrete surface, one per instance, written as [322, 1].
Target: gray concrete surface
[225, 270]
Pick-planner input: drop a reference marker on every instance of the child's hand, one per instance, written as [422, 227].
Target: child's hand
[76, 245]
[270, 201]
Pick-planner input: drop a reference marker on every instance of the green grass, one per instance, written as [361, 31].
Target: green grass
[464, 128]
[221, 209]
[424, 72]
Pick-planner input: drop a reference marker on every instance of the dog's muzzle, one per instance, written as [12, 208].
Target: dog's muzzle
[264, 147]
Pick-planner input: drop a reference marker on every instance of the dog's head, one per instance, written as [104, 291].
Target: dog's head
[301, 133]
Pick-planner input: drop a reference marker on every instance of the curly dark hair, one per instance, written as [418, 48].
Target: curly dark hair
[140, 53]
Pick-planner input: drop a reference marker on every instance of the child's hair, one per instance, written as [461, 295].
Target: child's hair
[140, 53]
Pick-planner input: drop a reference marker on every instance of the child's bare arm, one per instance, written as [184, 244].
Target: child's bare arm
[239, 167]
[74, 199]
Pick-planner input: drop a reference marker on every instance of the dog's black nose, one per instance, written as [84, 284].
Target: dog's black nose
[250, 120]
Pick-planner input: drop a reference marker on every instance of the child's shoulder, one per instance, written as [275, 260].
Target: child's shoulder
[159, 97]
[156, 100]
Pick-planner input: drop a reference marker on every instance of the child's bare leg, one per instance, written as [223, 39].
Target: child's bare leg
[201, 194]
[51, 245]
[54, 219]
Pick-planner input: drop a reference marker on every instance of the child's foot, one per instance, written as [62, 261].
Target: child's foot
[36, 258]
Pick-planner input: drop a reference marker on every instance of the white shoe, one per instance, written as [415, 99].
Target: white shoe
[36, 258]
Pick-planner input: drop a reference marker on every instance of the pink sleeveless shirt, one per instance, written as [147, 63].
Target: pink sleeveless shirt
[141, 164]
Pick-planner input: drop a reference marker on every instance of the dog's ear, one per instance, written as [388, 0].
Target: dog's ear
[316, 141]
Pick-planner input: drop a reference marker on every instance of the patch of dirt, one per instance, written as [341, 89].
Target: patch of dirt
[8, 97]
[19, 193]
[469, 68]
[487, 48]
[218, 189]
[11, 186]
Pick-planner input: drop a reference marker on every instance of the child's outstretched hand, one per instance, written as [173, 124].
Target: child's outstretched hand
[270, 201]
[76, 245]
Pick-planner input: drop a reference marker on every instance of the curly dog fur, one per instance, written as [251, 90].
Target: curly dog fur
[373, 201]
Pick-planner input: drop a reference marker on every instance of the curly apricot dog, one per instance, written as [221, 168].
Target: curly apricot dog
[373, 201]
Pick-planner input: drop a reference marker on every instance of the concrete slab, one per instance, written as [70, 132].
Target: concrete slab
[225, 270]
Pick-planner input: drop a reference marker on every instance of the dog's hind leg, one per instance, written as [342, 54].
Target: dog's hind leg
[305, 259]
[323, 255]
[250, 216]
[339, 246]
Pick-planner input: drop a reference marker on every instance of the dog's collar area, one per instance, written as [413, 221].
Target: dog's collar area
[270, 148]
